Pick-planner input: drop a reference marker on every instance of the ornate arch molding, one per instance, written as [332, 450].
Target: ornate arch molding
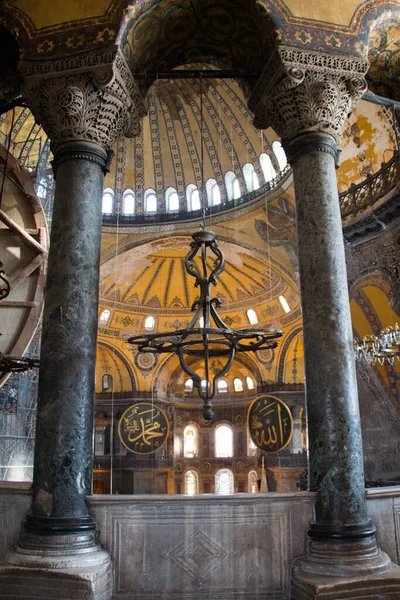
[63, 38]
[284, 350]
[312, 34]
[165, 34]
[120, 356]
[378, 279]
[377, 257]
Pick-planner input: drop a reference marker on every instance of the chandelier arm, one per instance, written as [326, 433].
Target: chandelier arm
[219, 264]
[216, 318]
[190, 265]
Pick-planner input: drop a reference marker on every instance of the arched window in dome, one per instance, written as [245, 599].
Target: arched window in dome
[223, 441]
[213, 192]
[280, 154]
[250, 177]
[192, 197]
[188, 385]
[267, 167]
[224, 481]
[249, 383]
[238, 385]
[150, 202]
[252, 316]
[128, 203]
[149, 323]
[191, 483]
[190, 441]
[107, 206]
[203, 384]
[222, 386]
[232, 186]
[104, 318]
[253, 487]
[107, 383]
[172, 200]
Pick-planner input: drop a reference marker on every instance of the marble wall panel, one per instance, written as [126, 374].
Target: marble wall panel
[14, 504]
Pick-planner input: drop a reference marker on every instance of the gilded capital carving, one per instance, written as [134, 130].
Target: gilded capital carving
[302, 91]
[91, 97]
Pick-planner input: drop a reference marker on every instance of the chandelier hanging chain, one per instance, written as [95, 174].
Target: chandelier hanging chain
[213, 342]
[203, 195]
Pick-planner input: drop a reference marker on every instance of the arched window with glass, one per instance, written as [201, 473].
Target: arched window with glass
[192, 197]
[238, 385]
[267, 167]
[224, 481]
[104, 317]
[213, 192]
[190, 441]
[222, 386]
[250, 177]
[249, 383]
[107, 383]
[128, 203]
[150, 202]
[280, 154]
[188, 385]
[107, 206]
[191, 483]
[223, 441]
[149, 323]
[171, 200]
[252, 316]
[252, 449]
[253, 486]
[232, 186]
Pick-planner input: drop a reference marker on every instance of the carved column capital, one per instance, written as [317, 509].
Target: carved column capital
[91, 97]
[302, 91]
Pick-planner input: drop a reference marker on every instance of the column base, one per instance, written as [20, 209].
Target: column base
[344, 570]
[63, 566]
[92, 583]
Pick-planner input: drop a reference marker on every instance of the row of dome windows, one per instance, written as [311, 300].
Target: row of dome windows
[150, 321]
[192, 193]
[222, 385]
[107, 384]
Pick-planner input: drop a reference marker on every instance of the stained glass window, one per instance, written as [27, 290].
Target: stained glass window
[224, 482]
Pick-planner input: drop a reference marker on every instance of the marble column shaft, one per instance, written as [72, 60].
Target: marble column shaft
[336, 458]
[64, 436]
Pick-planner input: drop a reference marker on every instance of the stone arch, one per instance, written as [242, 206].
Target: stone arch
[231, 35]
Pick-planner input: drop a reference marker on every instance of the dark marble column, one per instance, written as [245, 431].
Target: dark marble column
[336, 458]
[64, 434]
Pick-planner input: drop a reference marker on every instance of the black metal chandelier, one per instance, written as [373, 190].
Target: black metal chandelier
[206, 341]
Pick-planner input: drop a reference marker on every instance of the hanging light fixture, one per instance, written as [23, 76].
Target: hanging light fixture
[383, 348]
[207, 336]
[214, 338]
